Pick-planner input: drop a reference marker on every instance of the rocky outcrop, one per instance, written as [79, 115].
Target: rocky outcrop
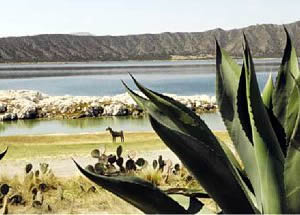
[265, 41]
[28, 104]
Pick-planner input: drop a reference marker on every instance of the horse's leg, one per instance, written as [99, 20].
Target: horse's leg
[122, 136]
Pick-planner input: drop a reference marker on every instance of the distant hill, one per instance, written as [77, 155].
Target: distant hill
[266, 40]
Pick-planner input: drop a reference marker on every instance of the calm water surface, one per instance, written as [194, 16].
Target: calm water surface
[179, 77]
[87, 125]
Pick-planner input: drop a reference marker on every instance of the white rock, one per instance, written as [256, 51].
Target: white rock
[114, 110]
[27, 112]
[26, 102]
[8, 116]
[3, 107]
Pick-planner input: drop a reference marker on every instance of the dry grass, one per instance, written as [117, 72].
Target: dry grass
[72, 195]
[73, 199]
[32, 146]
[153, 176]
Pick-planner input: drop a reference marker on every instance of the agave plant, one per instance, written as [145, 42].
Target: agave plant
[264, 129]
[2, 154]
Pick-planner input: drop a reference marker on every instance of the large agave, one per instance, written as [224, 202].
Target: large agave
[264, 130]
[2, 154]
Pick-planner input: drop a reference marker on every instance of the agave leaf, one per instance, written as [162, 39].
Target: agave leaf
[266, 146]
[137, 98]
[150, 107]
[267, 93]
[277, 127]
[187, 192]
[212, 170]
[292, 166]
[284, 96]
[164, 107]
[237, 124]
[157, 114]
[142, 194]
[238, 167]
[231, 156]
[2, 154]
[195, 205]
[181, 117]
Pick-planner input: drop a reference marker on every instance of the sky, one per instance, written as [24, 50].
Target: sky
[124, 17]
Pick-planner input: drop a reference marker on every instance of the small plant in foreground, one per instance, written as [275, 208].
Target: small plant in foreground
[265, 130]
[116, 165]
[4, 189]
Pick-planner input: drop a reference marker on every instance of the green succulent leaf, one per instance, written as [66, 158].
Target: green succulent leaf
[151, 108]
[285, 103]
[187, 192]
[157, 114]
[238, 166]
[277, 127]
[177, 117]
[266, 146]
[142, 194]
[232, 105]
[231, 156]
[195, 205]
[2, 154]
[206, 164]
[292, 166]
[267, 93]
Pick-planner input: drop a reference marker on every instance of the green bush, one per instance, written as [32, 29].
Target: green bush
[264, 130]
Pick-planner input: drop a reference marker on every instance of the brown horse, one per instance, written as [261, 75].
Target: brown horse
[115, 134]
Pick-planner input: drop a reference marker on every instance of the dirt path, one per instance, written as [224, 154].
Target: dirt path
[65, 167]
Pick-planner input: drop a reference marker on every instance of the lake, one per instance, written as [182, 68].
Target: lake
[90, 125]
[186, 77]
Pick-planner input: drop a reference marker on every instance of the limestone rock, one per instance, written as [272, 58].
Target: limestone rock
[8, 116]
[115, 110]
[29, 104]
[27, 112]
[3, 107]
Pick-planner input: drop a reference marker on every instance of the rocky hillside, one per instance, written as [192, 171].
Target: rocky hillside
[266, 41]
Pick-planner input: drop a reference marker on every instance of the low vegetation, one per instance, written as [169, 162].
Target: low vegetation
[46, 193]
[40, 191]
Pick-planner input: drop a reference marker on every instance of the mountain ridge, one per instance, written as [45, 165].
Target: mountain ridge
[266, 40]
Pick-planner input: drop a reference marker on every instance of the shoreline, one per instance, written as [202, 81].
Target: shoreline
[181, 58]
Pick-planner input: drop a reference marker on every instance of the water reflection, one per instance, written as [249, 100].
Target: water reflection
[87, 125]
[20, 124]
[100, 124]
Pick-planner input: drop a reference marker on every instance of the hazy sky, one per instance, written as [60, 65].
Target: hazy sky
[122, 17]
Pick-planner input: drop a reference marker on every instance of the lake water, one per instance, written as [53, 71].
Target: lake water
[99, 79]
[90, 125]
[104, 78]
